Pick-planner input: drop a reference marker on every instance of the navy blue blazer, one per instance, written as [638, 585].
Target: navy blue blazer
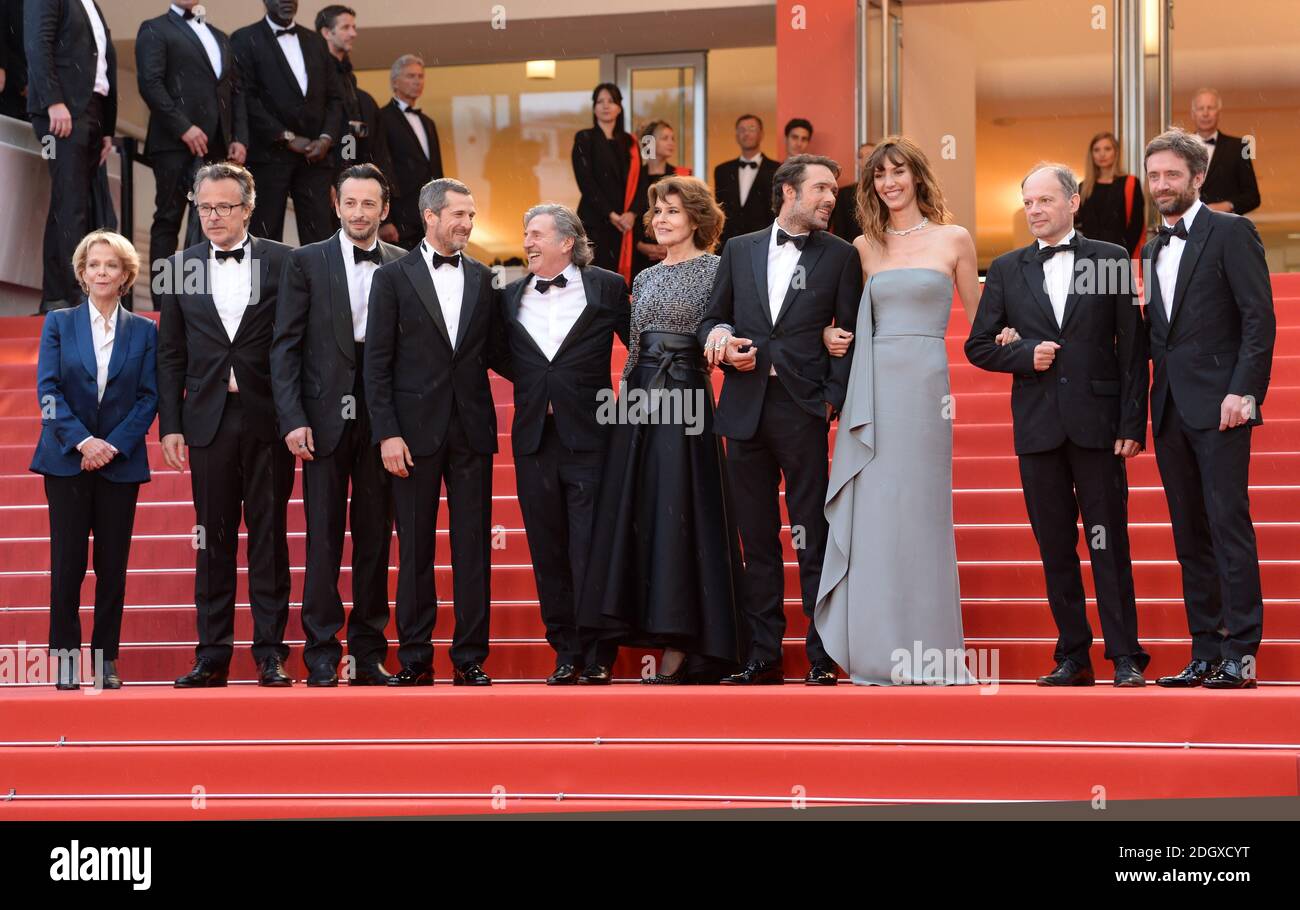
[67, 394]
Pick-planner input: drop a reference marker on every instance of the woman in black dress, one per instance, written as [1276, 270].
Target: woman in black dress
[665, 562]
[607, 167]
[658, 145]
[1111, 206]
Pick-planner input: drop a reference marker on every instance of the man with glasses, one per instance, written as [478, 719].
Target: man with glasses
[214, 391]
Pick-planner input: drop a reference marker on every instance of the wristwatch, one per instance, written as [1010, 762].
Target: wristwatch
[287, 137]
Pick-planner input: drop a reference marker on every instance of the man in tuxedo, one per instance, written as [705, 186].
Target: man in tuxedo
[412, 142]
[560, 322]
[295, 116]
[433, 330]
[1209, 314]
[1079, 409]
[214, 398]
[186, 72]
[798, 136]
[776, 290]
[744, 185]
[362, 142]
[318, 374]
[72, 97]
[844, 220]
[13, 60]
[1230, 184]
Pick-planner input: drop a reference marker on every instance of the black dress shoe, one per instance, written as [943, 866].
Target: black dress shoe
[207, 674]
[1191, 675]
[272, 674]
[564, 675]
[595, 675]
[1069, 673]
[1231, 674]
[821, 673]
[108, 676]
[1127, 674]
[412, 675]
[471, 675]
[680, 678]
[66, 675]
[371, 675]
[322, 676]
[757, 673]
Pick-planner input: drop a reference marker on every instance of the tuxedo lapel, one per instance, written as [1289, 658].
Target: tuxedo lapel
[473, 279]
[1072, 296]
[85, 338]
[121, 343]
[758, 260]
[260, 277]
[192, 37]
[278, 53]
[512, 301]
[1032, 271]
[417, 272]
[1196, 239]
[812, 251]
[340, 300]
[406, 125]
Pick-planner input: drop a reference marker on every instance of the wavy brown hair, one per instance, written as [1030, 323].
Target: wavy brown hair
[871, 211]
[1090, 171]
[698, 203]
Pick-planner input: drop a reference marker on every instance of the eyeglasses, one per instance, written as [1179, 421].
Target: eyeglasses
[221, 208]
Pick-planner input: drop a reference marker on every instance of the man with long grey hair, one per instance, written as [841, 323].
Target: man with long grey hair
[560, 320]
[415, 155]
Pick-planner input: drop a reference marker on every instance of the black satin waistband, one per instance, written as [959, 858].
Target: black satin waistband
[670, 354]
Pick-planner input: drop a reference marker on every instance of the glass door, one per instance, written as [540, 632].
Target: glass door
[669, 87]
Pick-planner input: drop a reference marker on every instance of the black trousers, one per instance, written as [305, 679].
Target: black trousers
[79, 505]
[325, 500]
[173, 175]
[1206, 475]
[1058, 485]
[468, 476]
[74, 161]
[308, 185]
[792, 443]
[237, 471]
[557, 490]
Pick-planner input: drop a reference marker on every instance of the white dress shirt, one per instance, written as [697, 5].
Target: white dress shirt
[101, 46]
[103, 332]
[550, 317]
[208, 40]
[360, 274]
[1210, 146]
[232, 292]
[1170, 256]
[781, 262]
[747, 175]
[450, 285]
[1058, 273]
[416, 124]
[291, 47]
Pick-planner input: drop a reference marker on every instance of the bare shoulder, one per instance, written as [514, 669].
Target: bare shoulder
[955, 234]
[867, 252]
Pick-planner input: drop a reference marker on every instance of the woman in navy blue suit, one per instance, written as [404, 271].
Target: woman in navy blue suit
[98, 396]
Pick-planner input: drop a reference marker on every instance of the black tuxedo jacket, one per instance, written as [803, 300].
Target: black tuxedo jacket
[274, 101]
[571, 382]
[410, 169]
[359, 106]
[756, 213]
[1219, 340]
[413, 376]
[61, 55]
[793, 344]
[180, 87]
[313, 356]
[13, 59]
[1095, 392]
[1231, 177]
[195, 354]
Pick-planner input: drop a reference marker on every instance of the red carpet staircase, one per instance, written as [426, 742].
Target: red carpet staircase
[151, 752]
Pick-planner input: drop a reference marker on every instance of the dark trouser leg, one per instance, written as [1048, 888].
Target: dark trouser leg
[310, 187]
[755, 483]
[114, 517]
[1101, 480]
[325, 502]
[73, 164]
[1053, 514]
[580, 474]
[372, 535]
[469, 507]
[273, 179]
[71, 501]
[267, 469]
[172, 173]
[216, 478]
[415, 506]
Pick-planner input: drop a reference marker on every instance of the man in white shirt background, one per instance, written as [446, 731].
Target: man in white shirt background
[744, 185]
[411, 139]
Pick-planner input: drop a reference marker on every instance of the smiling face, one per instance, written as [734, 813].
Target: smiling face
[670, 222]
[548, 253]
[895, 184]
[1171, 184]
[361, 209]
[104, 273]
[448, 231]
[1048, 208]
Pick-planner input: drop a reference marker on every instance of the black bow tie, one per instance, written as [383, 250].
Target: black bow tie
[1047, 252]
[281, 32]
[236, 254]
[753, 164]
[187, 15]
[359, 255]
[543, 284]
[414, 110]
[439, 260]
[1168, 233]
[1211, 141]
[782, 238]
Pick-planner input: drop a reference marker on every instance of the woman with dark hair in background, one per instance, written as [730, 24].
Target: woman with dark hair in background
[1110, 205]
[607, 166]
[658, 148]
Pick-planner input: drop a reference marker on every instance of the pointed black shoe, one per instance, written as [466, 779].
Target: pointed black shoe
[1231, 674]
[1191, 675]
[595, 675]
[272, 674]
[1069, 673]
[207, 674]
[416, 674]
[564, 675]
[471, 675]
[370, 675]
[1127, 674]
[756, 673]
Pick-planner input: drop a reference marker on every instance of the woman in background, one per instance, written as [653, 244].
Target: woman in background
[607, 166]
[1111, 206]
[658, 148]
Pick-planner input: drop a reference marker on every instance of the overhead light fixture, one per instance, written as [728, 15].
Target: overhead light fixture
[540, 69]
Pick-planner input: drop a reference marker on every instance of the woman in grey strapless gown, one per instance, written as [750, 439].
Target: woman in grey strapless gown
[888, 609]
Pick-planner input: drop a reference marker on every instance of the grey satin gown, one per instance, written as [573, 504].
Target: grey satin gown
[889, 608]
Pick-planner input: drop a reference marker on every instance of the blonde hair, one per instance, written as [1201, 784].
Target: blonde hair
[873, 214]
[1090, 172]
[697, 202]
[120, 246]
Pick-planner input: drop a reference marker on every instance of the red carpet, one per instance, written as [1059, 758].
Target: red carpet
[519, 747]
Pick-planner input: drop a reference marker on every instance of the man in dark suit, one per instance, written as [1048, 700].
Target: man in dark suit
[362, 141]
[72, 97]
[214, 394]
[744, 185]
[13, 60]
[1210, 316]
[560, 321]
[844, 220]
[1079, 408]
[776, 291]
[412, 143]
[186, 72]
[434, 329]
[317, 368]
[295, 116]
[1230, 184]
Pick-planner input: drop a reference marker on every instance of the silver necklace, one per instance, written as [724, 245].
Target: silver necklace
[916, 227]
